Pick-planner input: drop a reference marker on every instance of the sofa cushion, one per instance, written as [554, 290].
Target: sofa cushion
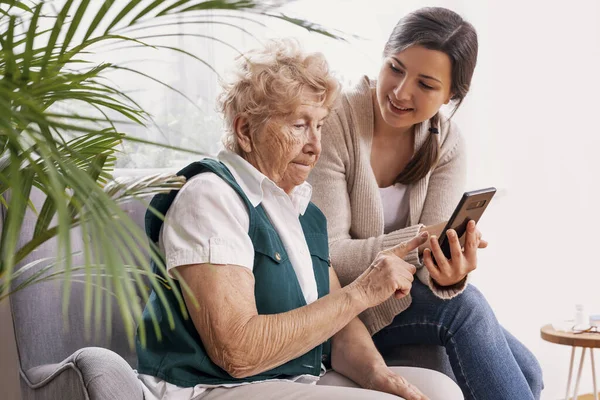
[90, 373]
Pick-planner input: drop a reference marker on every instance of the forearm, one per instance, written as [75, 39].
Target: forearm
[353, 353]
[352, 257]
[263, 342]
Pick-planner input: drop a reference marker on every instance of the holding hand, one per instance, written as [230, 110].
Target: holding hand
[389, 274]
[435, 231]
[451, 271]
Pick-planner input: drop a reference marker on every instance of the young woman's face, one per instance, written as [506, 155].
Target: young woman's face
[413, 85]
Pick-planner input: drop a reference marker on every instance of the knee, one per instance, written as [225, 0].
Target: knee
[471, 309]
[534, 376]
[471, 298]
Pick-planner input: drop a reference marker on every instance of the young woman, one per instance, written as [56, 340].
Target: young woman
[391, 167]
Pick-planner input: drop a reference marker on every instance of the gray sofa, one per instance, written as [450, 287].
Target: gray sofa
[57, 361]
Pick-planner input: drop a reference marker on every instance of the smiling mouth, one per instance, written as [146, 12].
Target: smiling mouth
[398, 107]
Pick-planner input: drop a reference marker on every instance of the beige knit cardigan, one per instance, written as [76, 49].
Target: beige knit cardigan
[345, 189]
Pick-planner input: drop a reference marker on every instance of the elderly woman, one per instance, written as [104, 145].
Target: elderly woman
[265, 306]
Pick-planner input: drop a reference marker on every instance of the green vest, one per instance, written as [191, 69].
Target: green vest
[179, 357]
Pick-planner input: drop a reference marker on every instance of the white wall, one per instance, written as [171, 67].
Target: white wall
[531, 125]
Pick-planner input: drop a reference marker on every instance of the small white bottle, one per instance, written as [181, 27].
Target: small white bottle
[582, 320]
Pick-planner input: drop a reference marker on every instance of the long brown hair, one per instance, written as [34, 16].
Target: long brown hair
[440, 29]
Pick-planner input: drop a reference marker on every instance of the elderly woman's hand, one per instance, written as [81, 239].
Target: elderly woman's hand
[389, 274]
[385, 380]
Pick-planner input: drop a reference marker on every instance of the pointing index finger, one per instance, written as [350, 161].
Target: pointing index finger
[402, 249]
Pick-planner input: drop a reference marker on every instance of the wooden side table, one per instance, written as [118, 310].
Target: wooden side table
[583, 340]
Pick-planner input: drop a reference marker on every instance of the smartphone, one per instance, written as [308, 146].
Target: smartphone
[471, 207]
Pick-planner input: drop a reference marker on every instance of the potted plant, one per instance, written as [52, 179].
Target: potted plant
[69, 155]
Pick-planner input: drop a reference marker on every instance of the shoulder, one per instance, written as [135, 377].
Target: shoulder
[208, 206]
[354, 99]
[208, 190]
[208, 222]
[205, 184]
[351, 116]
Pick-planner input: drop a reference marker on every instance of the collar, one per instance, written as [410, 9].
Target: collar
[254, 183]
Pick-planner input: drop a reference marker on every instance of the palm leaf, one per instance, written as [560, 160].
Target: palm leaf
[28, 54]
[60, 19]
[194, 22]
[126, 10]
[69, 155]
[312, 27]
[98, 18]
[216, 5]
[74, 24]
[14, 3]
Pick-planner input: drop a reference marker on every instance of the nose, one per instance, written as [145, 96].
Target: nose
[313, 141]
[402, 90]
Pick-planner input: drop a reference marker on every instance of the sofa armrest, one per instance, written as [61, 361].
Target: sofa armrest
[92, 373]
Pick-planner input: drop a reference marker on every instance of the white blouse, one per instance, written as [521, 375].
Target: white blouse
[208, 222]
[396, 202]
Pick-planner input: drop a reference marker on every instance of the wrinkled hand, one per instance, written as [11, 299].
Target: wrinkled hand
[461, 262]
[385, 380]
[389, 274]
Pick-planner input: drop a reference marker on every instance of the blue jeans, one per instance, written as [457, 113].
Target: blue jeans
[488, 362]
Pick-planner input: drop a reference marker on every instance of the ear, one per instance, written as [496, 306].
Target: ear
[241, 128]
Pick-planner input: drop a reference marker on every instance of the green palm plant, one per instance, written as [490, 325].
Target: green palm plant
[45, 70]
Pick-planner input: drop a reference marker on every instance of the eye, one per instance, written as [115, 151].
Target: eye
[425, 86]
[319, 126]
[395, 69]
[299, 126]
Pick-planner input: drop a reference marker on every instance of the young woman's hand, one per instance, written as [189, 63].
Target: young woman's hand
[451, 271]
[433, 230]
[436, 231]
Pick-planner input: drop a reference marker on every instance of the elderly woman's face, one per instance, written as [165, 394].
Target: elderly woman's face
[289, 147]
